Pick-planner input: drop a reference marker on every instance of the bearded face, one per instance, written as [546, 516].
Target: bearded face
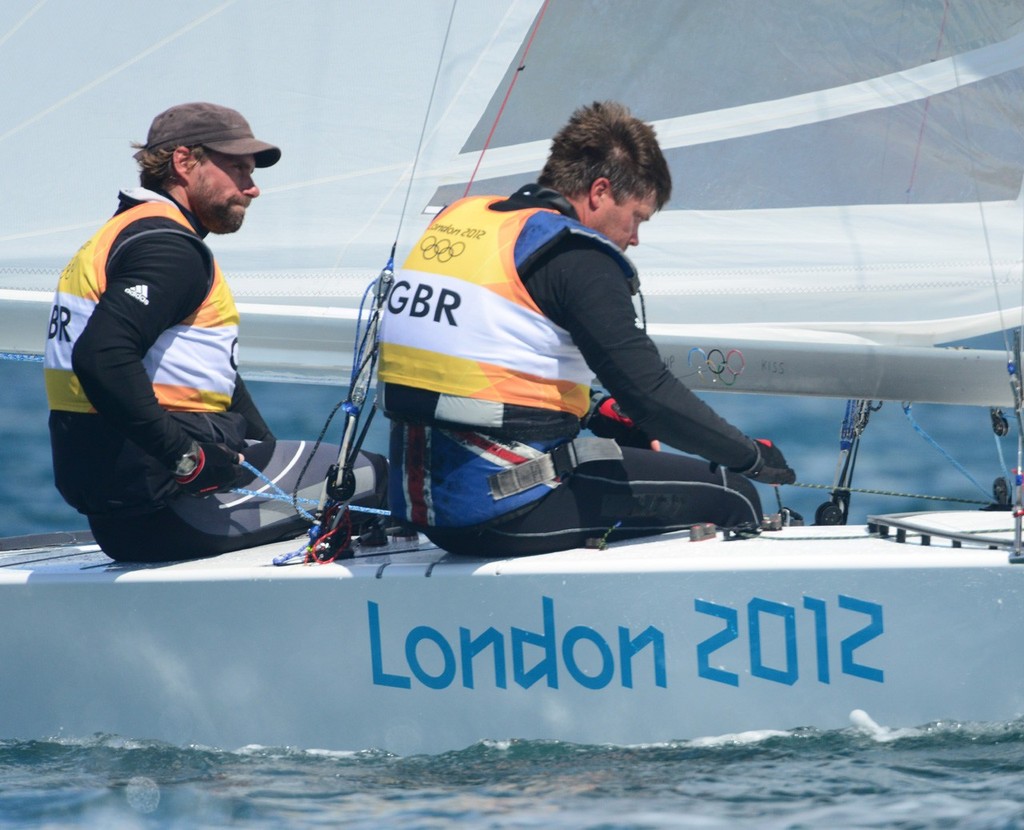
[221, 189]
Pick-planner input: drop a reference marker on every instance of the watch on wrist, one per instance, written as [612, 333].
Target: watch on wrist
[187, 463]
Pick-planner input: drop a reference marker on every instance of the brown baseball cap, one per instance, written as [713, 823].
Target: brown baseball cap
[219, 128]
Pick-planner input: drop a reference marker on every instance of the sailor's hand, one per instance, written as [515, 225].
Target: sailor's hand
[770, 466]
[607, 420]
[209, 468]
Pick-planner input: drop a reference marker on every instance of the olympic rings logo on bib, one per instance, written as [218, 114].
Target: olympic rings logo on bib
[442, 249]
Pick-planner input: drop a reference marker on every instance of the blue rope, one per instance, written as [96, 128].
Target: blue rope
[847, 433]
[278, 494]
[946, 455]
[285, 558]
[361, 362]
[370, 289]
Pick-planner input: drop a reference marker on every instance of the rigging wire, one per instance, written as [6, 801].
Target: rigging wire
[960, 467]
[1013, 352]
[1013, 360]
[331, 532]
[928, 101]
[895, 493]
[426, 120]
[508, 94]
[836, 511]
[1013, 366]
[366, 346]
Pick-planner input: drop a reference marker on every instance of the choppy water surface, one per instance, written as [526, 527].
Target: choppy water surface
[943, 775]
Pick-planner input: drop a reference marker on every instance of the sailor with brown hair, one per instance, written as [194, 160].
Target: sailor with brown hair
[147, 408]
[500, 318]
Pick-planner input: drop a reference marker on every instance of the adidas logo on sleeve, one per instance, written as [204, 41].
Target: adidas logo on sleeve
[139, 292]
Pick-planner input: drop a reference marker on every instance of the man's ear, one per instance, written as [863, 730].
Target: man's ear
[183, 163]
[600, 189]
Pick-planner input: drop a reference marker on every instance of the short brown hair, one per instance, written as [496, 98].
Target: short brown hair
[155, 169]
[604, 140]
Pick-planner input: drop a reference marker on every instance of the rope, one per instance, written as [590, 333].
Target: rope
[364, 356]
[898, 494]
[508, 94]
[277, 494]
[927, 103]
[426, 119]
[956, 464]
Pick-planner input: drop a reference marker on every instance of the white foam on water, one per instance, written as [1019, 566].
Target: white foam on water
[864, 723]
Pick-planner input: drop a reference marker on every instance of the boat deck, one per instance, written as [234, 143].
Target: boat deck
[942, 538]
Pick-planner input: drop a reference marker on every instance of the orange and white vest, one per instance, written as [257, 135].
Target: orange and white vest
[460, 322]
[192, 365]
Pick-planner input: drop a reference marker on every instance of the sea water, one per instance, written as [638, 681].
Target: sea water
[868, 775]
[945, 775]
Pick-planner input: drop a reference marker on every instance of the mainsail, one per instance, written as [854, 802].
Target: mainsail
[848, 176]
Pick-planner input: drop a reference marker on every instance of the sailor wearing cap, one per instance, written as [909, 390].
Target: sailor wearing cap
[146, 404]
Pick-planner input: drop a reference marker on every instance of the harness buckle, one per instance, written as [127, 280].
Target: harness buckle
[564, 459]
[552, 467]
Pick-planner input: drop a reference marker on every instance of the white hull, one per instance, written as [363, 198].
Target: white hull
[643, 642]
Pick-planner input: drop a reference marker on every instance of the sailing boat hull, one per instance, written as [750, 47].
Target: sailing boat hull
[413, 651]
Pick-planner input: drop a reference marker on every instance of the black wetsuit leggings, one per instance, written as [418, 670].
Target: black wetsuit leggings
[645, 494]
[191, 528]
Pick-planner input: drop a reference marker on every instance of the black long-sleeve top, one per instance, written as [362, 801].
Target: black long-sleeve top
[100, 460]
[582, 289]
[107, 358]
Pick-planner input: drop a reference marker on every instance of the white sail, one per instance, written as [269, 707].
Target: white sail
[847, 176]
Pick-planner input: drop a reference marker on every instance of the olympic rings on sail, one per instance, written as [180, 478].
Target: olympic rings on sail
[441, 249]
[725, 367]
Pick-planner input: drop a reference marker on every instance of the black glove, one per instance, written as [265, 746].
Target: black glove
[216, 469]
[607, 420]
[770, 466]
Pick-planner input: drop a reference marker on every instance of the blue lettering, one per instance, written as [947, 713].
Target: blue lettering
[762, 636]
[380, 678]
[707, 647]
[417, 636]
[755, 608]
[628, 648]
[547, 666]
[817, 607]
[604, 676]
[470, 648]
[869, 632]
[434, 662]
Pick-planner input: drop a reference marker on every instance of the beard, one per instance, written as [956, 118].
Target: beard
[222, 217]
[226, 217]
[218, 215]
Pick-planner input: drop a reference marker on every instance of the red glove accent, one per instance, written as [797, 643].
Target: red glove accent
[611, 410]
